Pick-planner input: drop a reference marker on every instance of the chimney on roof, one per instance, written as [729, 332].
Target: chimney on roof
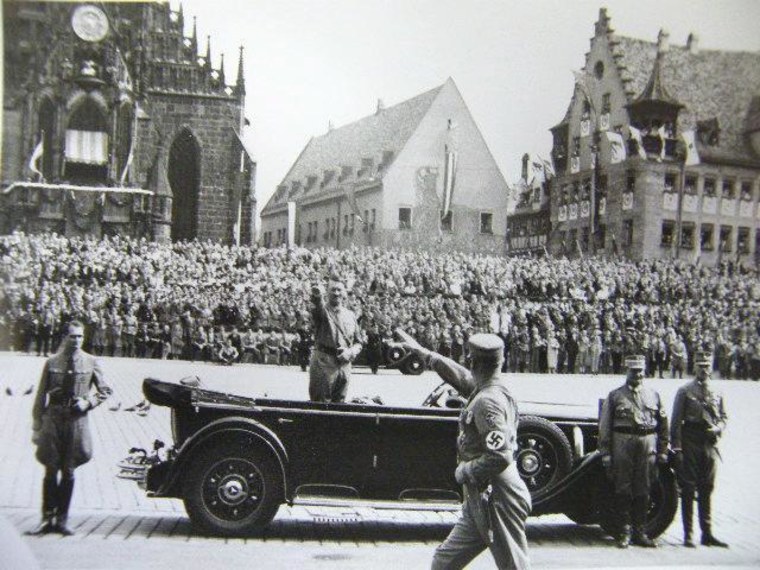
[380, 107]
[330, 126]
[663, 39]
[524, 175]
[692, 43]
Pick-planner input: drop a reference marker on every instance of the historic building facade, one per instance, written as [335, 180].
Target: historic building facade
[415, 175]
[529, 224]
[658, 155]
[114, 123]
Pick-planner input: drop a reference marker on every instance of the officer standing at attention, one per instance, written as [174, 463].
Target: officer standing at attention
[699, 419]
[60, 426]
[496, 499]
[337, 342]
[633, 436]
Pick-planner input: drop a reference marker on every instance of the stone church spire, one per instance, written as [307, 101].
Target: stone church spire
[240, 83]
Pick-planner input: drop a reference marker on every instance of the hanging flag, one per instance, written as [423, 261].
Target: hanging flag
[636, 135]
[692, 156]
[615, 250]
[449, 179]
[36, 155]
[130, 157]
[548, 168]
[661, 135]
[617, 147]
[351, 199]
[537, 172]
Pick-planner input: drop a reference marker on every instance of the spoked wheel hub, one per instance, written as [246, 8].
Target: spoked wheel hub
[233, 489]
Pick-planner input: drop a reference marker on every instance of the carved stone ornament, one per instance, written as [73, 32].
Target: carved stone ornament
[89, 23]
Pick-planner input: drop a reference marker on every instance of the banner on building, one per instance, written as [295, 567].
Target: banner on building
[562, 214]
[575, 164]
[710, 205]
[692, 156]
[636, 136]
[37, 155]
[670, 201]
[617, 147]
[585, 209]
[573, 212]
[449, 180]
[291, 224]
[604, 122]
[690, 203]
[728, 207]
[602, 205]
[627, 200]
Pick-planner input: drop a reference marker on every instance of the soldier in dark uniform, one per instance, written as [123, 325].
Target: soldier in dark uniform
[337, 342]
[60, 426]
[699, 418]
[633, 436]
[496, 499]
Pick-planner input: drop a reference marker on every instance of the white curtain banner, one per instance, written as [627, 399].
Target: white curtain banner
[88, 147]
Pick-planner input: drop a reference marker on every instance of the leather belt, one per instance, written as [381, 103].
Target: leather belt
[332, 351]
[696, 426]
[634, 430]
[62, 402]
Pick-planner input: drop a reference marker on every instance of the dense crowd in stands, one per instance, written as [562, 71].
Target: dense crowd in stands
[206, 301]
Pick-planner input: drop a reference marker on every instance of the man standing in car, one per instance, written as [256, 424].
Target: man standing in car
[699, 419]
[60, 425]
[633, 436]
[337, 342]
[496, 499]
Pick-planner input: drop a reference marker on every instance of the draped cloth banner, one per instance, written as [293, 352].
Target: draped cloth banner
[88, 147]
[449, 179]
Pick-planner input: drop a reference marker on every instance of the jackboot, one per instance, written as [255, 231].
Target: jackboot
[687, 516]
[49, 507]
[639, 537]
[705, 521]
[623, 503]
[65, 491]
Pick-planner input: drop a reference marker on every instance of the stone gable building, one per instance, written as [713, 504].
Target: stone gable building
[386, 181]
[630, 181]
[115, 122]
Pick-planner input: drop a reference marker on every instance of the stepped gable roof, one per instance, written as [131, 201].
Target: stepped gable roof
[387, 130]
[709, 83]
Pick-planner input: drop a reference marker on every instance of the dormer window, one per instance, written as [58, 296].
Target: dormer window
[345, 173]
[310, 182]
[327, 177]
[366, 169]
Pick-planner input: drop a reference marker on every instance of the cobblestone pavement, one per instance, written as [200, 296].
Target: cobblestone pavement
[118, 526]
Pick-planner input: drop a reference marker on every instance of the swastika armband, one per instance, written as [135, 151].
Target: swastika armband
[495, 440]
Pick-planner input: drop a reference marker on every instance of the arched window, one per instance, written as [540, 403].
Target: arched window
[184, 175]
[86, 149]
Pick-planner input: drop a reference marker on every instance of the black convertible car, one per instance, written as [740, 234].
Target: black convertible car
[236, 459]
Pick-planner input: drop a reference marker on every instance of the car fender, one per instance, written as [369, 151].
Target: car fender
[578, 486]
[223, 427]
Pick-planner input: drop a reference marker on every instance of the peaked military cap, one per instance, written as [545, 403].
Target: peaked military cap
[635, 361]
[485, 343]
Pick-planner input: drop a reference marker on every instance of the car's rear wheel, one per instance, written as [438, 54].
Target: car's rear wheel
[544, 454]
[233, 490]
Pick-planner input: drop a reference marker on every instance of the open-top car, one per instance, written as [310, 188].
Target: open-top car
[236, 459]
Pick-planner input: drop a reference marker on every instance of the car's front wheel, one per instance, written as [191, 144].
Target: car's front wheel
[544, 455]
[233, 490]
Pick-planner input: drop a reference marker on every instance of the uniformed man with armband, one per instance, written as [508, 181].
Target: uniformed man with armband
[699, 418]
[633, 437]
[496, 499]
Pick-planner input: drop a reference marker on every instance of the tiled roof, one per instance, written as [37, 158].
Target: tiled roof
[709, 83]
[372, 137]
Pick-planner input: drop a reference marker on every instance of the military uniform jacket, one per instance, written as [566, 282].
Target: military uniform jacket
[335, 328]
[630, 411]
[699, 409]
[65, 438]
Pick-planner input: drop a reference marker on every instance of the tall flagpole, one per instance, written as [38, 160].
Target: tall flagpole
[679, 209]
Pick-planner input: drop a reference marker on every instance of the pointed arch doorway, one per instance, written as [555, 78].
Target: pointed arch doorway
[184, 178]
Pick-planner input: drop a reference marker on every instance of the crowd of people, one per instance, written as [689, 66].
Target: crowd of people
[205, 301]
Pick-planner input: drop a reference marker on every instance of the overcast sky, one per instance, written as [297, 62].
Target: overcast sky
[308, 62]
